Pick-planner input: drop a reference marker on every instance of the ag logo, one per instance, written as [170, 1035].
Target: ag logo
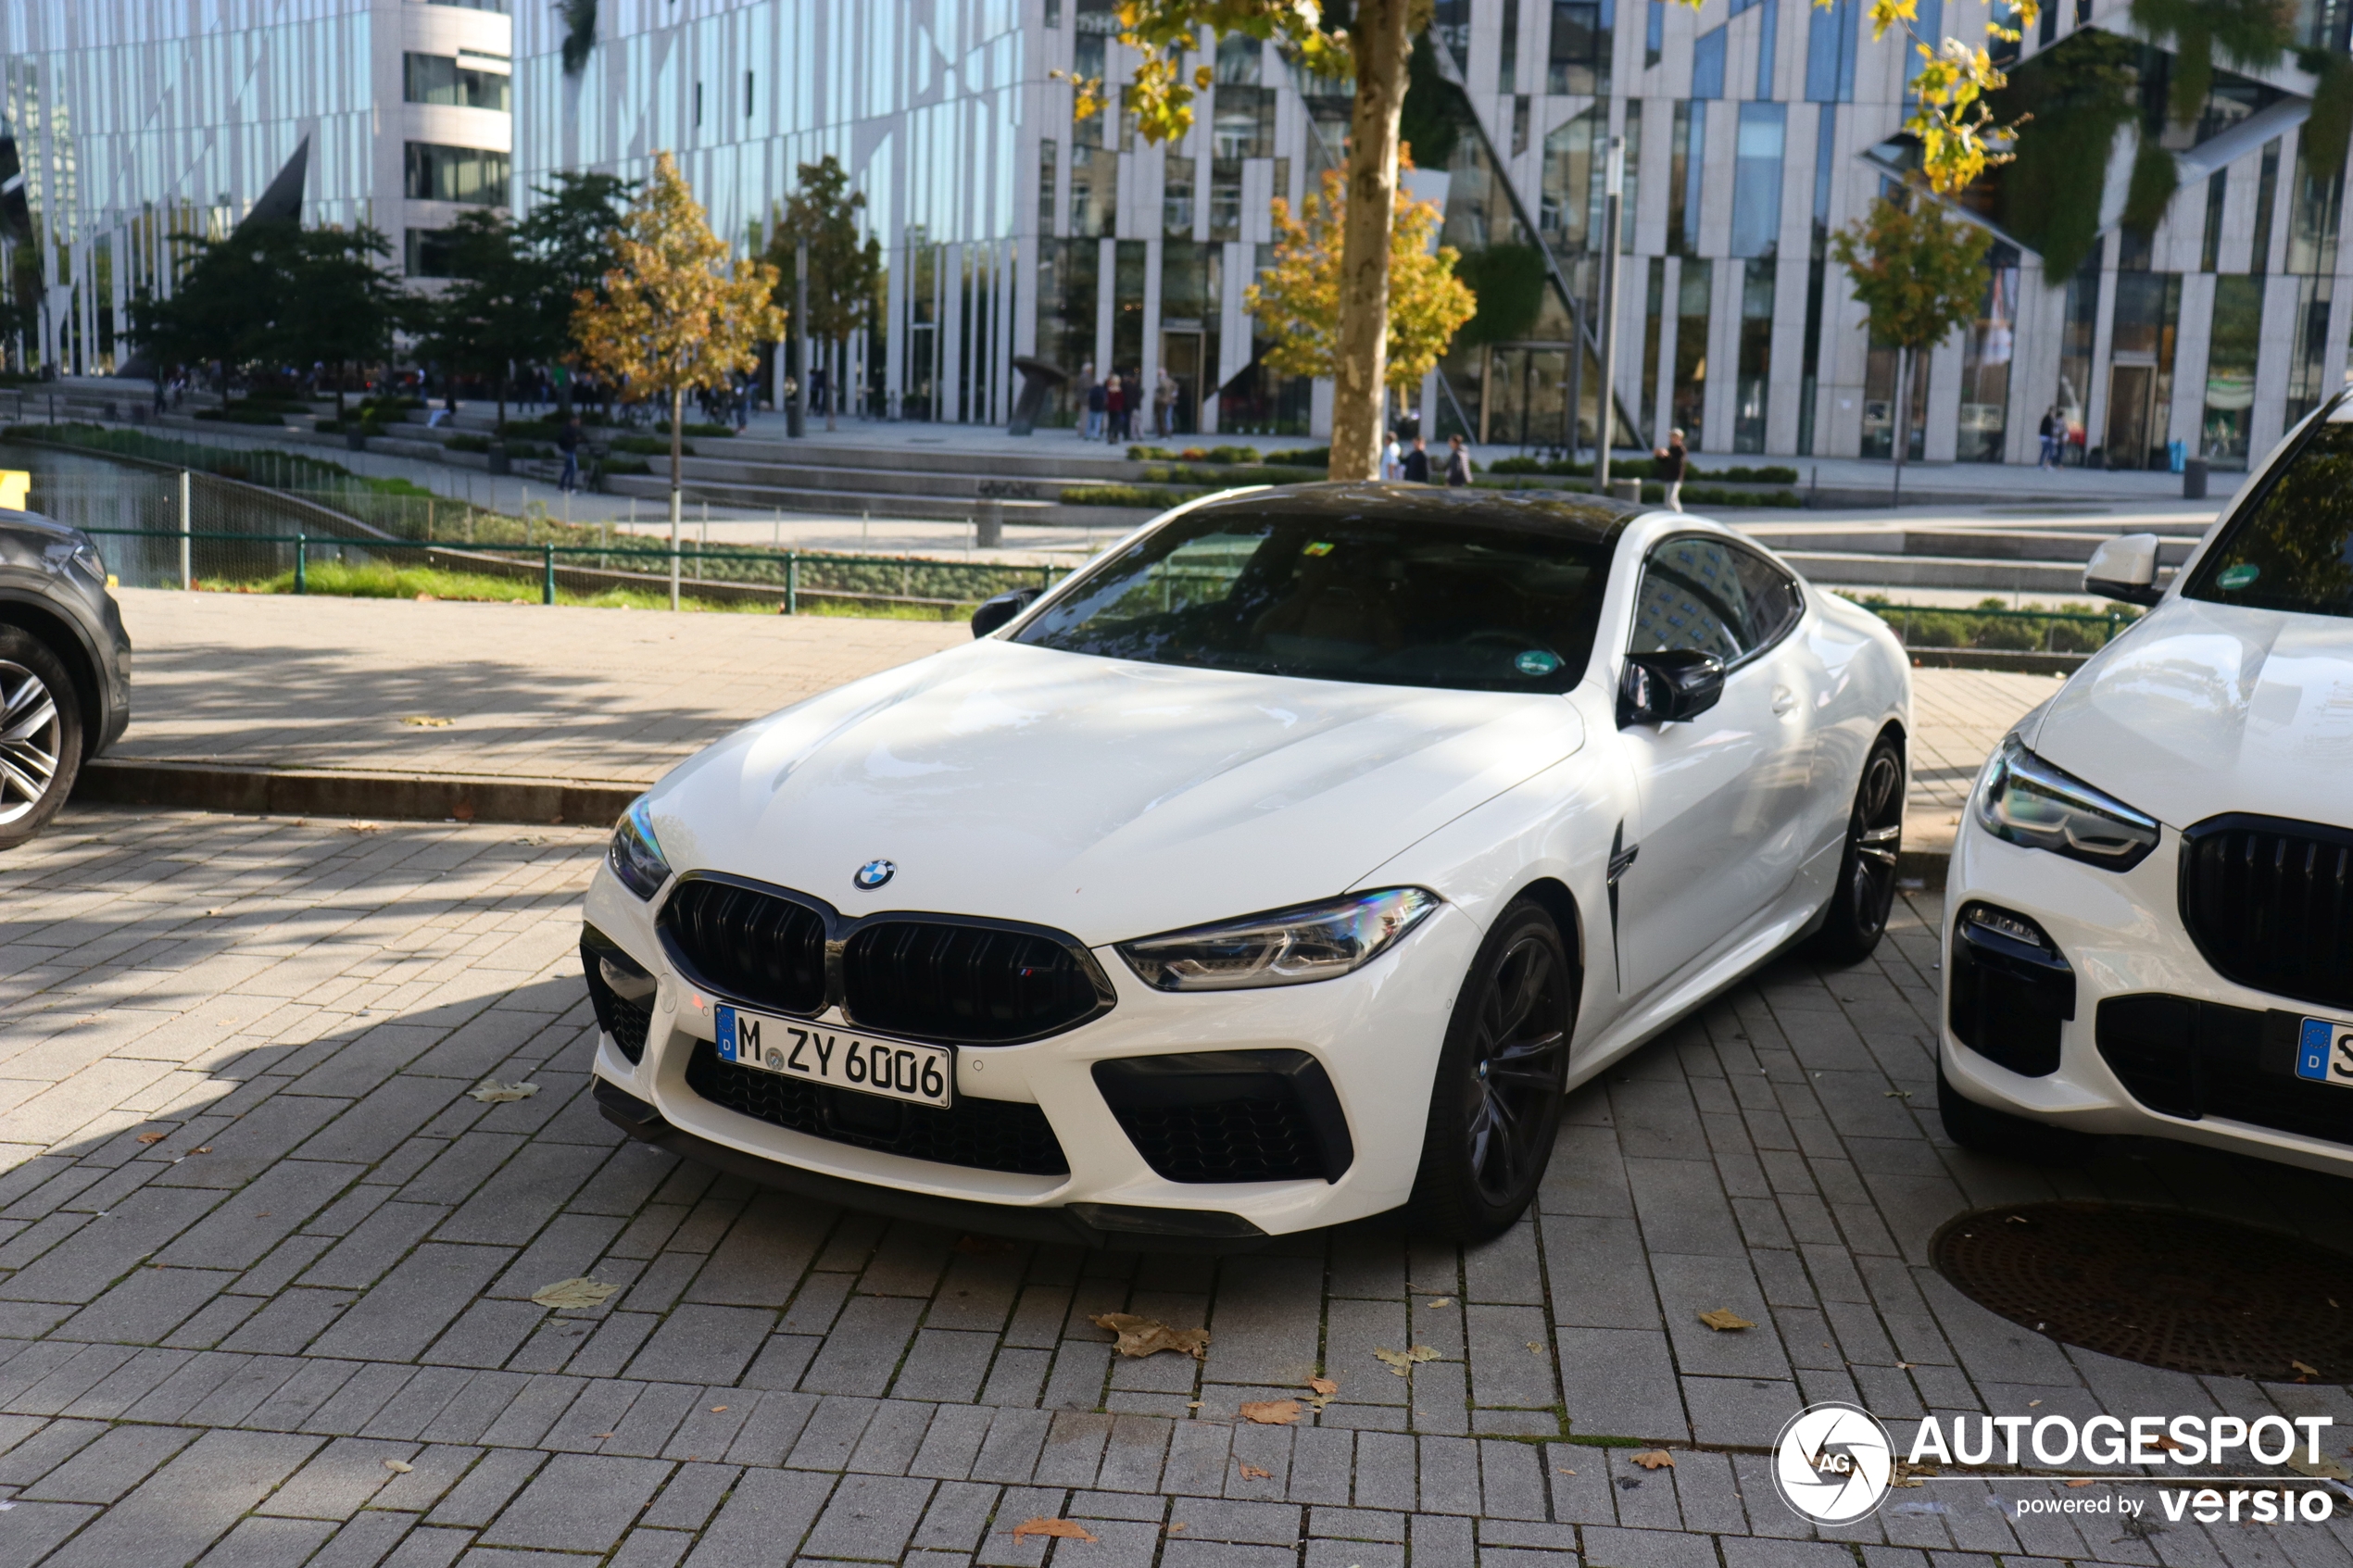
[1834, 1462]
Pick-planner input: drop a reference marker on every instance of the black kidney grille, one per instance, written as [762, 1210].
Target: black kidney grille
[2269, 904]
[1233, 1140]
[938, 981]
[982, 1134]
[752, 946]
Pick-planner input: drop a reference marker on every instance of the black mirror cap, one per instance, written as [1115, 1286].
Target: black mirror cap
[1660, 689]
[996, 612]
[2124, 592]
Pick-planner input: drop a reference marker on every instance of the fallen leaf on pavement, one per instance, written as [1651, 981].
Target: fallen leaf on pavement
[716, 1409]
[1444, 1301]
[2166, 1441]
[1402, 1361]
[1069, 1529]
[1653, 1459]
[572, 1293]
[152, 1137]
[2081, 1481]
[1144, 1337]
[399, 1467]
[490, 1091]
[426, 721]
[363, 827]
[1323, 1385]
[1535, 1347]
[600, 1433]
[205, 1149]
[2320, 1469]
[2306, 1371]
[1723, 1320]
[1252, 1473]
[1271, 1412]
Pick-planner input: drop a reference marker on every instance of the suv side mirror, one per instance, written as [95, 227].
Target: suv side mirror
[993, 613]
[2125, 568]
[1660, 689]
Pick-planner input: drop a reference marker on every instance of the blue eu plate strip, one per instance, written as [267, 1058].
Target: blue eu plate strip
[726, 1032]
[2312, 1049]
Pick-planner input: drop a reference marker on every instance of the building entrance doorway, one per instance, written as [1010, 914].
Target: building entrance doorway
[1180, 356]
[2128, 390]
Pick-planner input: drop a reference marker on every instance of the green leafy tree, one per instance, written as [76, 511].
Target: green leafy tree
[493, 313]
[569, 232]
[844, 270]
[224, 304]
[341, 304]
[1918, 273]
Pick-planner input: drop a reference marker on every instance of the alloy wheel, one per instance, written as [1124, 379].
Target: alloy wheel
[32, 741]
[1875, 838]
[1518, 1062]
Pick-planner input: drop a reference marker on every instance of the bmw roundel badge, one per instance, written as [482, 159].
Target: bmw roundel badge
[873, 873]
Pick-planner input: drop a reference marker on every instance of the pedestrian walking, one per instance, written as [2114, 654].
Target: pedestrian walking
[1098, 409]
[1392, 461]
[568, 443]
[1414, 467]
[1164, 404]
[1668, 463]
[2049, 431]
[1088, 393]
[1115, 409]
[1458, 463]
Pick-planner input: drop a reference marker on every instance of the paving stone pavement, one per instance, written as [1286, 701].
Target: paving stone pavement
[266, 1267]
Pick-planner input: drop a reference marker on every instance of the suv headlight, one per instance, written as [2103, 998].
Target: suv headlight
[2025, 800]
[1282, 946]
[634, 856]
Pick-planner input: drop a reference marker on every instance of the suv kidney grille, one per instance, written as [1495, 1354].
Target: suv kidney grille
[2269, 904]
[752, 946]
[974, 984]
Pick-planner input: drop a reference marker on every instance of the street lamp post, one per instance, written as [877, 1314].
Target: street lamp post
[1613, 187]
[797, 418]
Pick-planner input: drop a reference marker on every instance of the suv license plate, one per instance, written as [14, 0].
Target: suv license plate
[2324, 1052]
[793, 1049]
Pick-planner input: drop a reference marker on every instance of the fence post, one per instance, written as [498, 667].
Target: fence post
[547, 567]
[302, 579]
[792, 583]
[187, 542]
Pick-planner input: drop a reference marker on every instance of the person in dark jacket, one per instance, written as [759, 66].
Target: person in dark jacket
[1667, 464]
[568, 443]
[1416, 464]
[1458, 463]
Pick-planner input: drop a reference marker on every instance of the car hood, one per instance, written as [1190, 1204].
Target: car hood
[1106, 798]
[2206, 708]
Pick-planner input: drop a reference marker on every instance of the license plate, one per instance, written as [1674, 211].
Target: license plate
[2324, 1052]
[893, 1069]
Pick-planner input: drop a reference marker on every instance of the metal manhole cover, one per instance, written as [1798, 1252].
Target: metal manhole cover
[2158, 1286]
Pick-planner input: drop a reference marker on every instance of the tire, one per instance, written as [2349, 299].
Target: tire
[40, 735]
[1857, 917]
[1983, 1130]
[1495, 1100]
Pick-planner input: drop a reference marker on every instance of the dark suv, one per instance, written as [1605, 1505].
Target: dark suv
[65, 668]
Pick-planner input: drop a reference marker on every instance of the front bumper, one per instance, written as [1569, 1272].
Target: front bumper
[2122, 935]
[1376, 1034]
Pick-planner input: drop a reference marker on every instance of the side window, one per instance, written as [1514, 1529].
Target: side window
[1691, 597]
[1774, 603]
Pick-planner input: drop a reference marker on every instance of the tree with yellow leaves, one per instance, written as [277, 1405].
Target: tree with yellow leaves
[677, 316]
[1297, 300]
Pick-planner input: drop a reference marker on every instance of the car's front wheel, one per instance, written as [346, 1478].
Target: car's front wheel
[1495, 1105]
[1865, 892]
[40, 735]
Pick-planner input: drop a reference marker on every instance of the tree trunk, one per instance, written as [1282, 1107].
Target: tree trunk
[833, 382]
[677, 433]
[1361, 364]
[1903, 418]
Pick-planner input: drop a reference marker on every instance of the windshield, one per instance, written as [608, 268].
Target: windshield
[1485, 601]
[2292, 549]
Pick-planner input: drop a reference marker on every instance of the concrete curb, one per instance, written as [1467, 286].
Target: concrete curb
[318, 792]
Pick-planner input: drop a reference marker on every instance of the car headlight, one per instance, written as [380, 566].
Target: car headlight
[2024, 800]
[94, 565]
[1282, 946]
[634, 856]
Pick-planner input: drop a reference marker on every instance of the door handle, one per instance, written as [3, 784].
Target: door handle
[1784, 700]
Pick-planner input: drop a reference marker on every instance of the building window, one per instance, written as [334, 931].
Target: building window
[1691, 313]
[1094, 191]
[2315, 203]
[1767, 40]
[2232, 351]
[1177, 197]
[2210, 251]
[1986, 345]
[439, 78]
[1758, 278]
[1226, 199]
[2140, 387]
[1653, 309]
[748, 95]
[428, 254]
[1578, 59]
[1756, 179]
[2311, 345]
[1707, 64]
[2267, 188]
[1243, 123]
[1831, 32]
[456, 174]
[2075, 356]
[1809, 375]
[1655, 33]
[1686, 161]
[1239, 59]
[1507, 65]
[1569, 199]
[1046, 164]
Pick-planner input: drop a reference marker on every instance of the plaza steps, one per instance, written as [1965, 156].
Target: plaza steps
[2042, 560]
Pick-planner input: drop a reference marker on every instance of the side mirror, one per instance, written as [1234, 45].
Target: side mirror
[996, 612]
[1658, 688]
[2125, 568]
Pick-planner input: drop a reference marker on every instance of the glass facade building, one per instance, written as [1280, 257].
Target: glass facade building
[1753, 130]
[133, 122]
